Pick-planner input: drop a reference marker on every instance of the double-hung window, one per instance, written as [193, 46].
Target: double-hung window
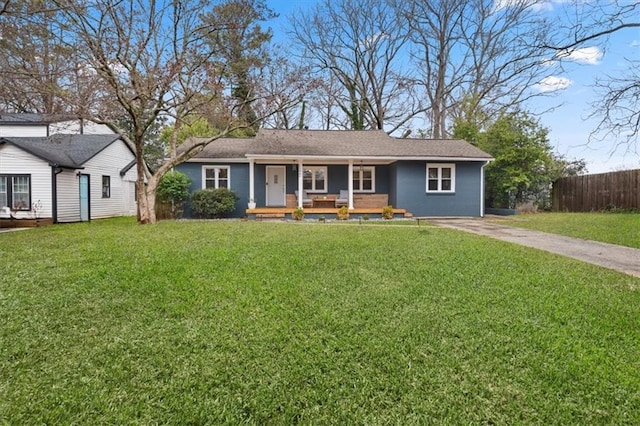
[314, 178]
[15, 192]
[441, 178]
[106, 186]
[364, 179]
[215, 177]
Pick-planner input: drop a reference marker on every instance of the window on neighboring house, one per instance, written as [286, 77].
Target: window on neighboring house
[106, 186]
[314, 179]
[441, 178]
[364, 179]
[15, 192]
[215, 177]
[4, 192]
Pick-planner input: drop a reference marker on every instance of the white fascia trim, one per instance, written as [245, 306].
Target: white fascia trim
[360, 157]
[217, 160]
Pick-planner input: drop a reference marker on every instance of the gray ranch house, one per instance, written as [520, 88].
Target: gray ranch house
[320, 171]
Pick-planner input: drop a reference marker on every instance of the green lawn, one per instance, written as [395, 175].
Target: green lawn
[270, 323]
[614, 228]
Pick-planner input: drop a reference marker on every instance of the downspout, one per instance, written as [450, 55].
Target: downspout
[55, 171]
[482, 188]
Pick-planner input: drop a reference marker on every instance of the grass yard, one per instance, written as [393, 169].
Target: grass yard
[614, 228]
[267, 323]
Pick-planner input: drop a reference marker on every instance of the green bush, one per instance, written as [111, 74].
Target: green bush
[213, 203]
[387, 212]
[298, 213]
[173, 189]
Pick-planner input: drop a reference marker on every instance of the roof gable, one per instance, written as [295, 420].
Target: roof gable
[69, 151]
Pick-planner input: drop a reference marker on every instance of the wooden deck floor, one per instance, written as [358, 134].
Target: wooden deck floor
[328, 210]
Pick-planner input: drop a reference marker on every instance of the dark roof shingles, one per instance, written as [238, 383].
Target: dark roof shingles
[339, 143]
[64, 150]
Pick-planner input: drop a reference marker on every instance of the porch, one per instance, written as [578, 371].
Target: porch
[282, 212]
[324, 204]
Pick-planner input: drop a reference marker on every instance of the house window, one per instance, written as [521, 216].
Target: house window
[364, 179]
[314, 179]
[215, 177]
[4, 192]
[106, 186]
[15, 192]
[441, 178]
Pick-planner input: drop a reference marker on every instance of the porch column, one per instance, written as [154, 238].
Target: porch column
[300, 183]
[252, 195]
[350, 180]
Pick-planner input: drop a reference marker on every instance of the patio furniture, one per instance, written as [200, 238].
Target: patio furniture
[343, 199]
[306, 201]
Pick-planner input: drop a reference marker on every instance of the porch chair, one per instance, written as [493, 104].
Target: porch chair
[306, 201]
[343, 199]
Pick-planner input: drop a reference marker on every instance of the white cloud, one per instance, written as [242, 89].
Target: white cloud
[536, 5]
[635, 43]
[553, 83]
[587, 55]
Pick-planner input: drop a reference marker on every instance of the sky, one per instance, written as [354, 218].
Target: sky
[570, 94]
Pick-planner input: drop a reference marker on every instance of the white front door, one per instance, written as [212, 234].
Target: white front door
[276, 185]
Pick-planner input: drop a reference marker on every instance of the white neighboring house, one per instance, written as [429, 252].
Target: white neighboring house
[63, 177]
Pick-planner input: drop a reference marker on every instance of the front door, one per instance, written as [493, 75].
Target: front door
[84, 198]
[276, 185]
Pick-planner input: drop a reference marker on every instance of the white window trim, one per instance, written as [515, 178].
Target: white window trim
[216, 178]
[313, 181]
[441, 166]
[10, 192]
[357, 169]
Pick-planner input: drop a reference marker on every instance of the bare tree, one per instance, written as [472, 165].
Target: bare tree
[239, 47]
[153, 59]
[590, 23]
[4, 6]
[476, 50]
[360, 43]
[40, 68]
[284, 88]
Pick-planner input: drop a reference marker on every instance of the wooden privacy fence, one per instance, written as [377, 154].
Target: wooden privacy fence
[597, 192]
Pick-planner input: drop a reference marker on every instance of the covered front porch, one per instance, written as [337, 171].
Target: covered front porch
[318, 185]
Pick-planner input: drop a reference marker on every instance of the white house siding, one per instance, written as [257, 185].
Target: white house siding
[68, 196]
[109, 162]
[129, 191]
[34, 130]
[13, 160]
[73, 128]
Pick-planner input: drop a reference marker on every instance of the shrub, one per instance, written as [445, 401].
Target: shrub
[343, 213]
[387, 212]
[173, 189]
[298, 213]
[527, 208]
[213, 203]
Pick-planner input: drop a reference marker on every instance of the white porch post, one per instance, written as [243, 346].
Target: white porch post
[300, 183]
[252, 195]
[350, 180]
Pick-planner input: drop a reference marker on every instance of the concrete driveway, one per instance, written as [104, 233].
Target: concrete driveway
[619, 258]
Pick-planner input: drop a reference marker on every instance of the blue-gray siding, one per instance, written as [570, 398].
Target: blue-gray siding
[405, 182]
[410, 191]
